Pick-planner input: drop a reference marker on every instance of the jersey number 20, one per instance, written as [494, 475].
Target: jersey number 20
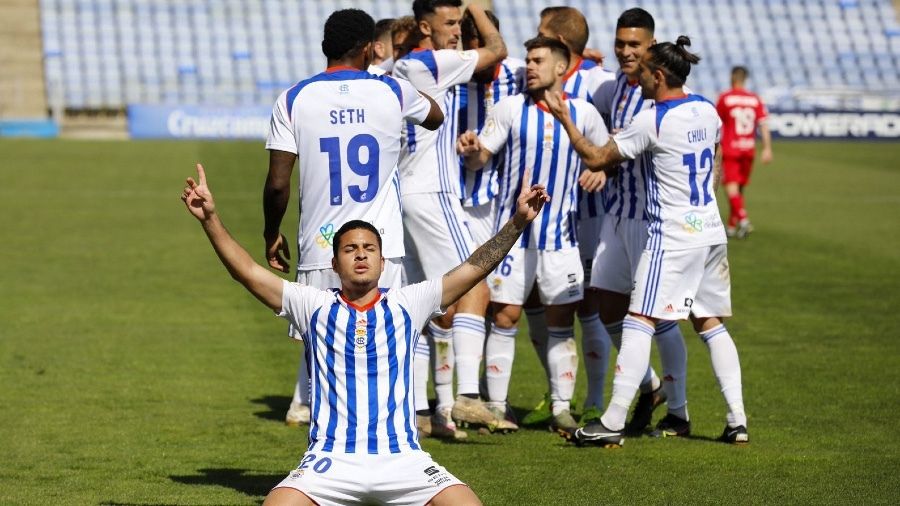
[369, 169]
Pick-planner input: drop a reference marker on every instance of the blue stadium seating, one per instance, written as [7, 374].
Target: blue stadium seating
[105, 54]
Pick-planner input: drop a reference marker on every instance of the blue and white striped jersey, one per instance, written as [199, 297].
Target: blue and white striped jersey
[620, 101]
[428, 159]
[533, 139]
[360, 363]
[583, 81]
[676, 141]
[476, 101]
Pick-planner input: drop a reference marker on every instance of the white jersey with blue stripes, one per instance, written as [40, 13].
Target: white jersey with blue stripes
[428, 159]
[677, 141]
[534, 140]
[344, 126]
[360, 363]
[476, 101]
[584, 81]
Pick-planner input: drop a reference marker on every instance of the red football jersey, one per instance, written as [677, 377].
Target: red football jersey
[741, 111]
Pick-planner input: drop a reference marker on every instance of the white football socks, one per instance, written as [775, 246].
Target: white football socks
[498, 360]
[673, 355]
[421, 364]
[727, 367]
[562, 362]
[631, 366]
[442, 350]
[538, 333]
[301, 387]
[468, 346]
[595, 348]
[651, 381]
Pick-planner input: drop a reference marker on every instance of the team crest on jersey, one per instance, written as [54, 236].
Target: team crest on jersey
[361, 333]
[344, 89]
[489, 126]
[326, 236]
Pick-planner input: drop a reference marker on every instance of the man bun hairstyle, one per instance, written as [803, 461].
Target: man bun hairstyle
[554, 45]
[636, 18]
[422, 7]
[353, 225]
[347, 31]
[673, 59]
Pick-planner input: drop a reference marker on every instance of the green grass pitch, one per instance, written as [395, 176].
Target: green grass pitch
[134, 371]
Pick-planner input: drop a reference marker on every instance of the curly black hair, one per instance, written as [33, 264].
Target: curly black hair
[347, 32]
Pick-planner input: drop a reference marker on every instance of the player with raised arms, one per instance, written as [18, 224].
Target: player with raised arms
[436, 232]
[363, 444]
[683, 271]
[344, 125]
[547, 257]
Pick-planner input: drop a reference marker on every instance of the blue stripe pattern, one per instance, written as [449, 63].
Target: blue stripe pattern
[652, 284]
[453, 226]
[713, 332]
[330, 378]
[350, 379]
[664, 327]
[372, 369]
[392, 375]
[410, 336]
[427, 58]
[631, 323]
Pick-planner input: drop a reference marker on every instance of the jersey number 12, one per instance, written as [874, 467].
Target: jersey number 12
[706, 163]
[369, 169]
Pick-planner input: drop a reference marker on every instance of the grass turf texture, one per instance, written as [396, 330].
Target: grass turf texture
[134, 371]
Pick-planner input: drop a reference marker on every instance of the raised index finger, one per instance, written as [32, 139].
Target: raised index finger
[201, 174]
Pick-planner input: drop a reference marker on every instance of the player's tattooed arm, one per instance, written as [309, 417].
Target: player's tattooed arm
[486, 258]
[594, 157]
[493, 49]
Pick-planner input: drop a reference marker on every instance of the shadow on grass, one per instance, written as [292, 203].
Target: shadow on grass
[277, 407]
[241, 480]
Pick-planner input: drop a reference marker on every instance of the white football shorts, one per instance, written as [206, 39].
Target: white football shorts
[409, 478]
[435, 232]
[481, 221]
[669, 285]
[558, 274]
[622, 242]
[588, 240]
[324, 279]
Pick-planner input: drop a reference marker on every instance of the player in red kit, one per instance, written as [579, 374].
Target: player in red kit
[741, 112]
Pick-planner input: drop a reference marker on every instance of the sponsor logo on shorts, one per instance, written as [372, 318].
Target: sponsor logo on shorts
[688, 302]
[669, 308]
[436, 476]
[296, 473]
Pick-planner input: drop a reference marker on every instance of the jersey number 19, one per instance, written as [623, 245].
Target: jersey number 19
[367, 169]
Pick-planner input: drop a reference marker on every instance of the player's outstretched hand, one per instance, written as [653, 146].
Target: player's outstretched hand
[467, 143]
[592, 181]
[197, 197]
[766, 155]
[556, 104]
[531, 200]
[278, 253]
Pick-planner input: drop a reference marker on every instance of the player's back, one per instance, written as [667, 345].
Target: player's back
[345, 128]
[428, 161]
[740, 111]
[680, 195]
